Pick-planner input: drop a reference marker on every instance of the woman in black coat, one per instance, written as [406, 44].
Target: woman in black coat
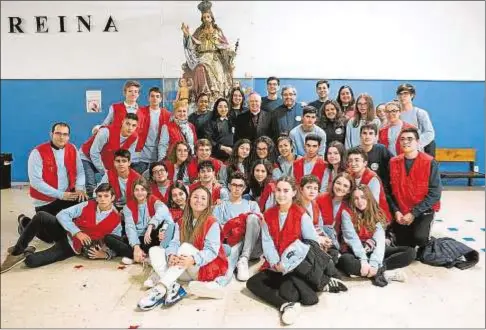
[219, 130]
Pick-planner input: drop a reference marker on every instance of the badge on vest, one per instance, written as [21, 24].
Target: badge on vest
[233, 130]
[298, 118]
[374, 166]
[339, 130]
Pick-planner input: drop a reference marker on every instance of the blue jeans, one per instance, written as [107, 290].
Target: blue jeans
[90, 174]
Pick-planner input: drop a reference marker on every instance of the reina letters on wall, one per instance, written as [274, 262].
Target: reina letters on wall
[17, 24]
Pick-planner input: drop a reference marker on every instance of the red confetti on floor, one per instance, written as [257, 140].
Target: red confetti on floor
[78, 266]
[133, 327]
[123, 267]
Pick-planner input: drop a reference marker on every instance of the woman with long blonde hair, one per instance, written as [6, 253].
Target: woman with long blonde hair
[195, 254]
[364, 251]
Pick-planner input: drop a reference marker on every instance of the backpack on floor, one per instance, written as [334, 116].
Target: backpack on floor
[447, 252]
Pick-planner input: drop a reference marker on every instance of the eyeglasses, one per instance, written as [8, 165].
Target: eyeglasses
[392, 111]
[159, 171]
[61, 134]
[238, 186]
[407, 139]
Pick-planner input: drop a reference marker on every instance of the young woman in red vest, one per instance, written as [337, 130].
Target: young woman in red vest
[286, 157]
[308, 191]
[78, 229]
[388, 135]
[283, 224]
[178, 196]
[178, 129]
[159, 181]
[178, 162]
[203, 152]
[364, 250]
[121, 178]
[261, 184]
[311, 163]
[336, 163]
[144, 216]
[416, 189]
[346, 101]
[195, 254]
[239, 161]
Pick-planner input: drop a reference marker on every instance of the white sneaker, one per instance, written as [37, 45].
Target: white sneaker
[206, 289]
[242, 272]
[395, 275]
[290, 312]
[152, 280]
[127, 261]
[152, 298]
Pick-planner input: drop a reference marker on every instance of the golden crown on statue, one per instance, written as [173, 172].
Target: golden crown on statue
[204, 6]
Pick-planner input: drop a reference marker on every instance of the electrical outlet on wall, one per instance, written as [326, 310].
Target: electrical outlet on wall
[476, 168]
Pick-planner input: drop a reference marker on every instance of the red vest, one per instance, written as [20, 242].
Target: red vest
[267, 191]
[317, 170]
[175, 135]
[113, 180]
[315, 213]
[119, 114]
[409, 190]
[86, 222]
[133, 206]
[234, 230]
[143, 115]
[156, 192]
[365, 179]
[192, 171]
[324, 201]
[291, 230]
[112, 145]
[383, 136]
[170, 170]
[49, 169]
[215, 191]
[176, 215]
[218, 266]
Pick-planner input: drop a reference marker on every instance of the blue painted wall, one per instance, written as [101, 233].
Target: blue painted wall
[30, 107]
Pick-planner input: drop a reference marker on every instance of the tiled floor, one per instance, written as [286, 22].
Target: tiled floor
[101, 295]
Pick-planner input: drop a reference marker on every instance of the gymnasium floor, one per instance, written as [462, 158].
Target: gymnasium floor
[79, 293]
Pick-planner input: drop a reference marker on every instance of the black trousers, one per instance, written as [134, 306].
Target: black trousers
[430, 148]
[123, 249]
[43, 226]
[395, 257]
[417, 234]
[266, 285]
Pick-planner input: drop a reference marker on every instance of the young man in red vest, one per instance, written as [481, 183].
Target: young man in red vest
[416, 188]
[357, 166]
[311, 163]
[178, 129]
[97, 153]
[207, 178]
[56, 176]
[121, 178]
[118, 111]
[203, 152]
[77, 229]
[151, 119]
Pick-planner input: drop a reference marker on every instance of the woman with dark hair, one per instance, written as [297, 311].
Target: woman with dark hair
[285, 160]
[178, 161]
[261, 185]
[263, 148]
[364, 250]
[237, 102]
[177, 200]
[202, 115]
[239, 161]
[195, 254]
[159, 180]
[219, 130]
[336, 163]
[333, 122]
[345, 99]
[365, 114]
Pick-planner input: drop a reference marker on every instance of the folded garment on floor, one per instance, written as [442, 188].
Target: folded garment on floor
[448, 252]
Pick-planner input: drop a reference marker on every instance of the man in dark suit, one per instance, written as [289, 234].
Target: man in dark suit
[253, 123]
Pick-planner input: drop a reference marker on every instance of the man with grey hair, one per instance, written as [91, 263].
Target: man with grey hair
[288, 115]
[254, 123]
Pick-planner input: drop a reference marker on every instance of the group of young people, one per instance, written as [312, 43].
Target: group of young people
[320, 192]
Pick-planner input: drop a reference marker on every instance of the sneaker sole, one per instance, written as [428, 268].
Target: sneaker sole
[15, 264]
[160, 302]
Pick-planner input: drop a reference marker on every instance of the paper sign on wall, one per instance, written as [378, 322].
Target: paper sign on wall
[93, 101]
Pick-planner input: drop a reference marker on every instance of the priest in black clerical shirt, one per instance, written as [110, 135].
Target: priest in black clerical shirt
[253, 123]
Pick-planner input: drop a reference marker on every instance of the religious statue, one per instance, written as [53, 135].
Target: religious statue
[209, 57]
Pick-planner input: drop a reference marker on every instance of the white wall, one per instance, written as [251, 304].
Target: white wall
[294, 39]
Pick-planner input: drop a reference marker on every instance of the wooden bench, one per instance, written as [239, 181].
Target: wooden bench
[458, 156]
